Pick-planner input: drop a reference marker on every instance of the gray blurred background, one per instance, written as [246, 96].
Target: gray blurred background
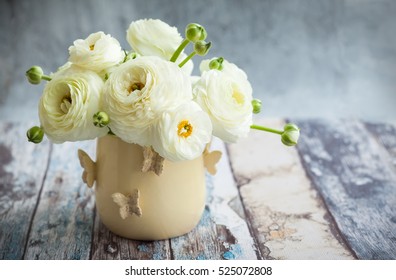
[304, 58]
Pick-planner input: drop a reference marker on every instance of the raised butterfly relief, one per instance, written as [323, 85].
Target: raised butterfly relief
[152, 161]
[129, 204]
[210, 160]
[89, 173]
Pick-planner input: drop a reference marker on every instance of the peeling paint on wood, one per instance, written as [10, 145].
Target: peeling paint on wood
[264, 207]
[22, 170]
[385, 134]
[286, 216]
[227, 211]
[199, 244]
[63, 224]
[351, 170]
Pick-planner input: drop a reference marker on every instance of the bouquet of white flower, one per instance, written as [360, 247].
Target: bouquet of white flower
[147, 95]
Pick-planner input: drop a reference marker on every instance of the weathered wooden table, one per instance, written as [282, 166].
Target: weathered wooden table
[332, 197]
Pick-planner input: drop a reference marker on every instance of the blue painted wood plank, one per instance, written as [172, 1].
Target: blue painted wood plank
[63, 224]
[385, 134]
[199, 244]
[354, 174]
[22, 169]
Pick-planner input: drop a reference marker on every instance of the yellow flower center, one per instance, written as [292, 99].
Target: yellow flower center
[66, 103]
[184, 129]
[135, 86]
[91, 47]
[238, 97]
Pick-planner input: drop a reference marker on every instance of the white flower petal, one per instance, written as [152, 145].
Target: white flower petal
[182, 134]
[138, 92]
[67, 105]
[153, 37]
[97, 52]
[226, 96]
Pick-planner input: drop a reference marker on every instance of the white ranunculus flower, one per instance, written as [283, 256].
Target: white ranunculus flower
[182, 134]
[97, 52]
[138, 92]
[227, 98]
[153, 37]
[67, 105]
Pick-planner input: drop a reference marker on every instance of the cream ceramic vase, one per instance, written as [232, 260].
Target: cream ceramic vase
[164, 200]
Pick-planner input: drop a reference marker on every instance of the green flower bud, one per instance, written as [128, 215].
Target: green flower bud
[129, 56]
[290, 134]
[216, 63]
[195, 32]
[35, 134]
[101, 119]
[34, 75]
[202, 48]
[256, 103]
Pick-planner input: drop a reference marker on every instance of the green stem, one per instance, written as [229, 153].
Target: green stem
[268, 129]
[179, 50]
[187, 59]
[110, 131]
[125, 56]
[45, 77]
